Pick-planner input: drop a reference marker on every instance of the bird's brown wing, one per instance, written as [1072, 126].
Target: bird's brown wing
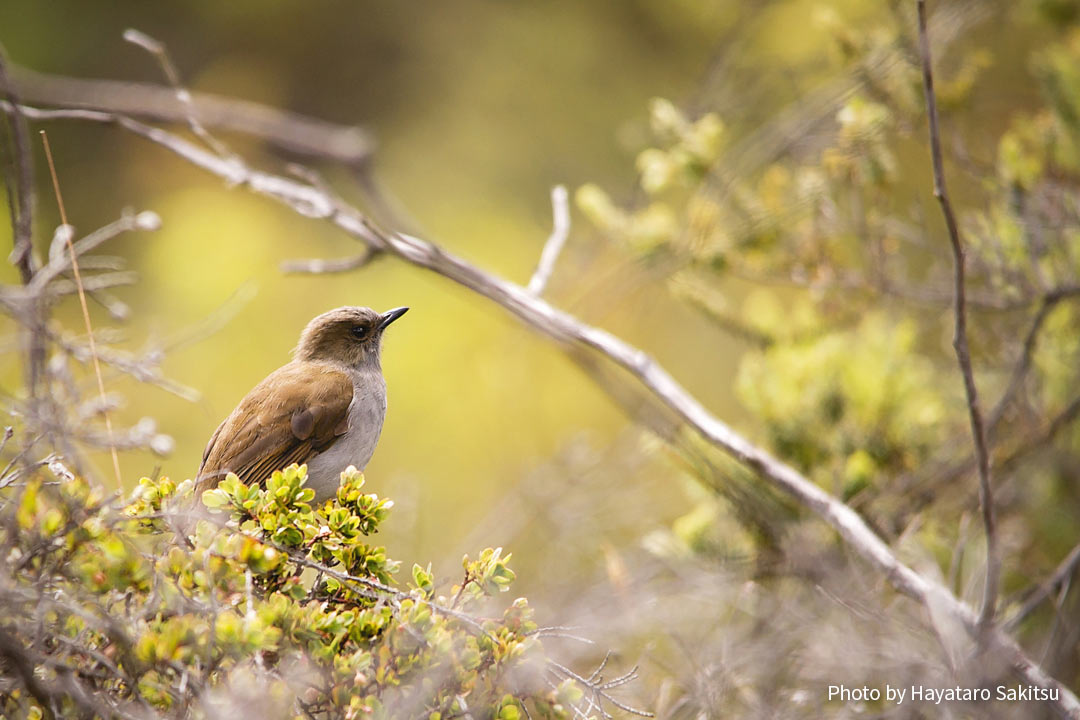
[298, 411]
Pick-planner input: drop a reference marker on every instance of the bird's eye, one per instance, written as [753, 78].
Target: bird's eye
[359, 332]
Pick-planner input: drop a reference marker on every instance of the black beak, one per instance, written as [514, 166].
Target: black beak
[391, 315]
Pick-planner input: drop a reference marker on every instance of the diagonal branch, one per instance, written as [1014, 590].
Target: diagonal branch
[960, 339]
[1049, 301]
[289, 132]
[573, 334]
[1065, 417]
[1064, 571]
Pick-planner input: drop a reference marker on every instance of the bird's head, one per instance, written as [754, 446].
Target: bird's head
[346, 335]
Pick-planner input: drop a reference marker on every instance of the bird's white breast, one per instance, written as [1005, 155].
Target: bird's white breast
[366, 413]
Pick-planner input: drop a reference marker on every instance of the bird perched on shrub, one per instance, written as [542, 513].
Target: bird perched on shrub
[325, 408]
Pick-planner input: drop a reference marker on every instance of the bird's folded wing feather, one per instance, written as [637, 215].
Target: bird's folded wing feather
[297, 412]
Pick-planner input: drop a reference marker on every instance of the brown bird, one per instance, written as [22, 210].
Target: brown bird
[325, 408]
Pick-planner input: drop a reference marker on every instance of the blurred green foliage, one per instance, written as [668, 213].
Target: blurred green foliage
[829, 260]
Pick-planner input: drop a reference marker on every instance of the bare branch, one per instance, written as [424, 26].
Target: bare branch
[320, 266]
[571, 332]
[287, 131]
[945, 474]
[960, 340]
[598, 688]
[560, 210]
[1058, 423]
[60, 262]
[91, 283]
[1049, 301]
[157, 49]
[1064, 571]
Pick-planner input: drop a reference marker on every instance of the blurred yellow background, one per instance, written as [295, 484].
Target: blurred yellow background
[479, 108]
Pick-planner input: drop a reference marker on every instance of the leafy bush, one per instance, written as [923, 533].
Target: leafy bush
[271, 605]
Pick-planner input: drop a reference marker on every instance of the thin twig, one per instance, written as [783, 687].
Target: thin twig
[599, 689]
[560, 211]
[1049, 301]
[143, 369]
[59, 263]
[1058, 423]
[560, 632]
[85, 309]
[92, 283]
[157, 49]
[1063, 572]
[214, 322]
[960, 339]
[569, 331]
[320, 266]
[1020, 370]
[373, 589]
[945, 474]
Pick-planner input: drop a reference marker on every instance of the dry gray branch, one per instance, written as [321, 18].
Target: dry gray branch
[1049, 301]
[321, 266]
[57, 411]
[183, 96]
[560, 211]
[287, 131]
[1060, 576]
[60, 262]
[1045, 436]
